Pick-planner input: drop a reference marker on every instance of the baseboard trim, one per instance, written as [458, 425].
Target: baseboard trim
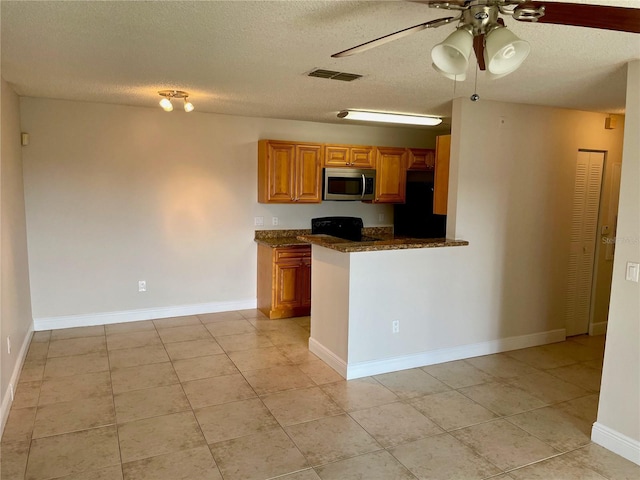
[328, 357]
[106, 318]
[5, 407]
[599, 328]
[393, 364]
[617, 442]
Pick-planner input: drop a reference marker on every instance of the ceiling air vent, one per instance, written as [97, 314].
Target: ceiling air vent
[333, 75]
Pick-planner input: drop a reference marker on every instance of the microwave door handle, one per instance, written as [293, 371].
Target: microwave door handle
[364, 186]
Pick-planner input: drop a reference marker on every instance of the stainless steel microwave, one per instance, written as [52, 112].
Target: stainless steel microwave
[349, 184]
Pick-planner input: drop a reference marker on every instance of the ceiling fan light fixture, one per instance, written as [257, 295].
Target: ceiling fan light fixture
[458, 78]
[452, 55]
[504, 52]
[369, 116]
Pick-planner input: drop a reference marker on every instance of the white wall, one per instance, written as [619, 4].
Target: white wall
[356, 297]
[511, 188]
[618, 425]
[15, 302]
[118, 194]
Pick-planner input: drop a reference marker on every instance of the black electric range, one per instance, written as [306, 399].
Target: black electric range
[349, 228]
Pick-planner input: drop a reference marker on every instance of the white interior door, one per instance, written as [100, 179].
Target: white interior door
[584, 226]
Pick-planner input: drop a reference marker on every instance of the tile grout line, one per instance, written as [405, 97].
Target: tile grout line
[26, 465]
[113, 400]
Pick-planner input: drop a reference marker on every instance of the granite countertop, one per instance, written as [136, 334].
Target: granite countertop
[384, 240]
[289, 238]
[281, 238]
[388, 243]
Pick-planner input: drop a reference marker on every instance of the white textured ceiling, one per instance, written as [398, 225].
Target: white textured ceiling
[251, 58]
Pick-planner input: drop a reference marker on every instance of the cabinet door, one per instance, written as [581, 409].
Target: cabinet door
[336, 156]
[284, 281]
[441, 177]
[276, 170]
[362, 157]
[347, 156]
[292, 281]
[287, 286]
[421, 159]
[391, 175]
[308, 179]
[305, 283]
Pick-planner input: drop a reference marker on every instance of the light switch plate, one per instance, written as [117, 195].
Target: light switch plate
[633, 271]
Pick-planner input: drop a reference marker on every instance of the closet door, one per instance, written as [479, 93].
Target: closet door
[584, 229]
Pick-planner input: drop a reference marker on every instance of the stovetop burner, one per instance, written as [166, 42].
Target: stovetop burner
[349, 228]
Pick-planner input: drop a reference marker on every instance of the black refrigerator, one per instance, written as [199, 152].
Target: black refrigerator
[415, 218]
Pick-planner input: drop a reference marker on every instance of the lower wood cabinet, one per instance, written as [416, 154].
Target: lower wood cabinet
[284, 281]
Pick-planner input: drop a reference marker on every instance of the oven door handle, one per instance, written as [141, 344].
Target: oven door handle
[364, 186]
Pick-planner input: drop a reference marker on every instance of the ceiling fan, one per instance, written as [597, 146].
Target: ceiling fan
[496, 48]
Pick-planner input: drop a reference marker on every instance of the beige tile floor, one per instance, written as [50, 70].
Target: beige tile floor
[234, 396]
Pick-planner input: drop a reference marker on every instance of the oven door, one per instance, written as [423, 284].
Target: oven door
[349, 184]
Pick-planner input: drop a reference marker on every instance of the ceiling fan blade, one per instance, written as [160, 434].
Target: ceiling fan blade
[394, 36]
[458, 3]
[478, 48]
[581, 15]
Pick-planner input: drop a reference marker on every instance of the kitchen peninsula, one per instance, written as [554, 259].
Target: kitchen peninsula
[376, 305]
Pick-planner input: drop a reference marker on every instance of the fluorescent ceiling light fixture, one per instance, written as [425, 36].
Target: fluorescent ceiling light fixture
[368, 116]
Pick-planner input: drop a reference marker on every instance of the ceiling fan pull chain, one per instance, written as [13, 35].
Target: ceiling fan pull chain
[475, 97]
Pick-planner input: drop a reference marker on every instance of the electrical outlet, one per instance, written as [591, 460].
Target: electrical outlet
[395, 326]
[258, 221]
[9, 345]
[142, 286]
[381, 217]
[274, 221]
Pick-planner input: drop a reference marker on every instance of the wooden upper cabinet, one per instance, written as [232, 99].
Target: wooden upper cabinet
[308, 173]
[348, 156]
[421, 159]
[289, 172]
[441, 176]
[391, 175]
